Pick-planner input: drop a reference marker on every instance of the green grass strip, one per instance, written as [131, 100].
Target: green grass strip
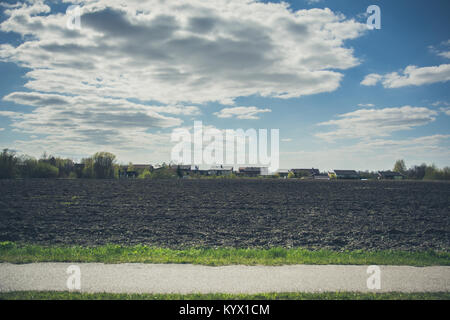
[28, 253]
[52, 295]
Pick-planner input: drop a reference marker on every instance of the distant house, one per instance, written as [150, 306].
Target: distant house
[390, 175]
[142, 167]
[202, 172]
[252, 171]
[131, 174]
[196, 170]
[305, 173]
[79, 166]
[133, 170]
[220, 170]
[125, 173]
[344, 174]
[157, 167]
[283, 173]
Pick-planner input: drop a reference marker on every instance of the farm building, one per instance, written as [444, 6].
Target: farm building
[344, 174]
[391, 175]
[305, 173]
[253, 171]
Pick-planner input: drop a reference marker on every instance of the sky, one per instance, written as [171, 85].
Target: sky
[341, 94]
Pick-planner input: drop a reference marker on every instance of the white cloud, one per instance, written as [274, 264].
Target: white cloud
[286, 140]
[446, 110]
[371, 123]
[442, 50]
[440, 103]
[311, 2]
[420, 142]
[411, 76]
[10, 114]
[173, 52]
[371, 79]
[366, 105]
[445, 54]
[249, 113]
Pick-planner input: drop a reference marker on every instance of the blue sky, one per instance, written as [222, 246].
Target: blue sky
[342, 96]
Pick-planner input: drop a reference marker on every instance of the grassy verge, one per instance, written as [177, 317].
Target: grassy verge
[52, 295]
[15, 253]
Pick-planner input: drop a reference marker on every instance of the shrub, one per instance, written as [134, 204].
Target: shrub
[73, 175]
[44, 170]
[146, 174]
[165, 172]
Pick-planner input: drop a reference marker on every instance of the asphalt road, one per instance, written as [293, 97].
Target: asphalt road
[184, 278]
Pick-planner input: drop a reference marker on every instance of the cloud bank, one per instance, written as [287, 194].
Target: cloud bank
[168, 57]
[410, 76]
[373, 123]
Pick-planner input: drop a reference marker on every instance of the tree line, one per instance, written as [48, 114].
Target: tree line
[422, 172]
[416, 172]
[103, 165]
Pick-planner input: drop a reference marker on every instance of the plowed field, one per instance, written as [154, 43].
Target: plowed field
[234, 213]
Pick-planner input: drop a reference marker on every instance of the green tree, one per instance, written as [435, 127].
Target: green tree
[65, 166]
[400, 166]
[26, 167]
[446, 173]
[88, 170]
[431, 173]
[32, 168]
[417, 172]
[104, 165]
[8, 164]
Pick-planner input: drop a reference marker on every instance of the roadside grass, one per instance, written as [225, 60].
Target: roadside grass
[65, 295]
[28, 253]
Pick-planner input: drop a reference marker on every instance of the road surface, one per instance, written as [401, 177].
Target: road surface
[185, 278]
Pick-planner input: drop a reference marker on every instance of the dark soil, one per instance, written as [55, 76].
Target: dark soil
[234, 213]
